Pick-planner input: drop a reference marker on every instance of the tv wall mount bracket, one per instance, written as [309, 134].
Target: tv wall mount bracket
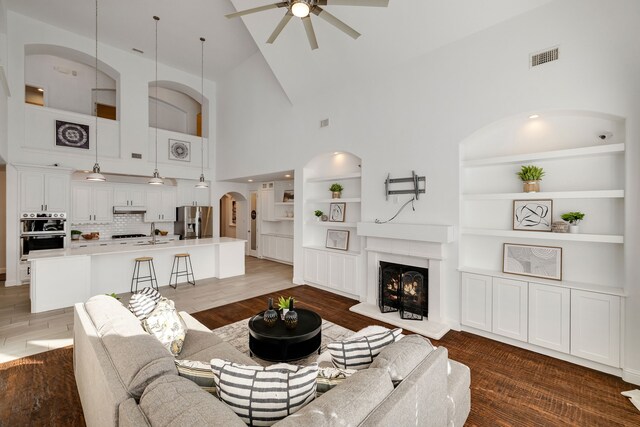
[419, 185]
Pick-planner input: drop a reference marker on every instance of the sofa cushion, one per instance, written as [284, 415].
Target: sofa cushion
[103, 309]
[175, 401]
[167, 326]
[222, 350]
[198, 372]
[358, 353]
[347, 404]
[141, 305]
[264, 395]
[402, 357]
[195, 341]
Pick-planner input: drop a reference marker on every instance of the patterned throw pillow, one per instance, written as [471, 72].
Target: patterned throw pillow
[358, 353]
[262, 396]
[165, 323]
[151, 293]
[143, 302]
[198, 372]
[328, 378]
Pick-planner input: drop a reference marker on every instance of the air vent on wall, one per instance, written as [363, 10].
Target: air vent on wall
[544, 57]
[136, 155]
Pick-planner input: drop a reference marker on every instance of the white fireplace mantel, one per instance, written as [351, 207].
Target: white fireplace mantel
[402, 231]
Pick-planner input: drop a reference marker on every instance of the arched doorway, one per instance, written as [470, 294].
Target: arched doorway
[233, 218]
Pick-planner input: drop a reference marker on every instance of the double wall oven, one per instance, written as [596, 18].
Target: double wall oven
[40, 231]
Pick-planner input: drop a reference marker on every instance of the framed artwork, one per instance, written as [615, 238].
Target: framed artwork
[288, 196]
[532, 215]
[73, 135]
[544, 262]
[179, 150]
[338, 239]
[336, 212]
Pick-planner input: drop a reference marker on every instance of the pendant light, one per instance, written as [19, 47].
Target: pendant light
[96, 175]
[202, 183]
[156, 180]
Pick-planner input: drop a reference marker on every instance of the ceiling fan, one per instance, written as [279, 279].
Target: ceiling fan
[304, 8]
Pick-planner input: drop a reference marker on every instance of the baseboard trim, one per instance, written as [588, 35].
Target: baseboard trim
[12, 283]
[631, 376]
[3, 270]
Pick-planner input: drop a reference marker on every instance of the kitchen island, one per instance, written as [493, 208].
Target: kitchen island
[63, 277]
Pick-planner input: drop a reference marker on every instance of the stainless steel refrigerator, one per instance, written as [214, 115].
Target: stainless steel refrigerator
[194, 222]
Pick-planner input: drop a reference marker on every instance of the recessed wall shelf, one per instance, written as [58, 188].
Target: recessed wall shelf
[346, 176]
[592, 194]
[545, 155]
[331, 224]
[283, 203]
[567, 237]
[283, 219]
[343, 200]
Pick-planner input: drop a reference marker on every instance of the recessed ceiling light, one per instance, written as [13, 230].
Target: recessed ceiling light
[250, 180]
[534, 116]
[40, 89]
[335, 153]
[287, 176]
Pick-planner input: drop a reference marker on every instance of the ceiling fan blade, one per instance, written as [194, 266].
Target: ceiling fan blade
[257, 9]
[283, 23]
[321, 13]
[372, 3]
[311, 35]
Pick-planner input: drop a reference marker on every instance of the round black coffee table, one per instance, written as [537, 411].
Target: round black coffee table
[279, 344]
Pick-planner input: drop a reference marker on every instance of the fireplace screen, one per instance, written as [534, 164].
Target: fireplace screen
[405, 289]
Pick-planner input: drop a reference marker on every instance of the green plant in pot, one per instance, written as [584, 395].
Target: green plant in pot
[75, 234]
[336, 190]
[531, 176]
[573, 218]
[318, 213]
[283, 305]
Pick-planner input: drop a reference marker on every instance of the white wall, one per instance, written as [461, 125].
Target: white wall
[3, 223]
[414, 116]
[179, 113]
[63, 89]
[3, 76]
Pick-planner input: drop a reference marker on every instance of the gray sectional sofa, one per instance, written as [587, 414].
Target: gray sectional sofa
[125, 377]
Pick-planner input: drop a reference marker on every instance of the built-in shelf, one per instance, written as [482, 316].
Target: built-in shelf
[286, 236]
[337, 251]
[592, 194]
[283, 203]
[545, 155]
[345, 200]
[354, 175]
[283, 218]
[332, 224]
[567, 237]
[602, 289]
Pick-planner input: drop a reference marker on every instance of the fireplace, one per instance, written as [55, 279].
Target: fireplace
[403, 288]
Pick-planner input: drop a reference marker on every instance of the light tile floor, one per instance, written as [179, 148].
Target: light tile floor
[23, 333]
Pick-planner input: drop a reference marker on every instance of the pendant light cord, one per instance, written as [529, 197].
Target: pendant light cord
[156, 90]
[202, 109]
[96, 82]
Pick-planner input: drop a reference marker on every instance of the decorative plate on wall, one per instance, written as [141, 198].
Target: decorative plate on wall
[72, 135]
[179, 150]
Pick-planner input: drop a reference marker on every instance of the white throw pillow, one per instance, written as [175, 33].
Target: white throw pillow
[358, 353]
[167, 326]
[264, 395]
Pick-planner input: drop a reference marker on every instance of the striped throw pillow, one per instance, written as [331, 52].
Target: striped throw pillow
[198, 372]
[151, 293]
[141, 305]
[262, 396]
[358, 353]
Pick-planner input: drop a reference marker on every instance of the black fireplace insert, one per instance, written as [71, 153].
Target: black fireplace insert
[403, 288]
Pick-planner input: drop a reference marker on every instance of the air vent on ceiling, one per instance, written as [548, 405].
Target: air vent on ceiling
[544, 57]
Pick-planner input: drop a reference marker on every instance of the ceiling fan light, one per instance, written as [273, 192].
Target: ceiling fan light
[156, 180]
[202, 183]
[300, 9]
[96, 175]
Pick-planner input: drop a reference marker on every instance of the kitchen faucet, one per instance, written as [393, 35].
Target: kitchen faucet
[153, 233]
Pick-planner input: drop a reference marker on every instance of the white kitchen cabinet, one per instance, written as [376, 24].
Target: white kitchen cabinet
[169, 203]
[189, 195]
[161, 205]
[595, 327]
[267, 201]
[44, 192]
[509, 308]
[91, 203]
[549, 316]
[477, 299]
[128, 195]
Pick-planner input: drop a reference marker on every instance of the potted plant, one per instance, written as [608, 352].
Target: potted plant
[75, 234]
[113, 295]
[573, 218]
[336, 190]
[531, 177]
[318, 213]
[283, 305]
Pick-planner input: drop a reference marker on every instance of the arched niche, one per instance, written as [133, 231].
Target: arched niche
[63, 78]
[333, 164]
[233, 218]
[179, 108]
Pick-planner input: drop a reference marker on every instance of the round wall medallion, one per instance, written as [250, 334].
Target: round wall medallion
[180, 150]
[72, 135]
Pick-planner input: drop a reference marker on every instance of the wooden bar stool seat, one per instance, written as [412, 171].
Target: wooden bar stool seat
[176, 272]
[137, 278]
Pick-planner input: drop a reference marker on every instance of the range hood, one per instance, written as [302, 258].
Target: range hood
[129, 209]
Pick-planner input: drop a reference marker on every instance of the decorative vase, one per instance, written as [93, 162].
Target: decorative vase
[324, 218]
[291, 318]
[531, 186]
[574, 229]
[336, 194]
[559, 227]
[75, 237]
[283, 312]
[319, 218]
[270, 316]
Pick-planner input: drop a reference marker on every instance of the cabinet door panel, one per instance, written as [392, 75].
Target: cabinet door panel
[288, 249]
[120, 196]
[595, 327]
[201, 196]
[281, 248]
[310, 266]
[169, 200]
[351, 275]
[476, 301]
[136, 196]
[509, 311]
[81, 204]
[103, 204]
[31, 192]
[56, 192]
[154, 205]
[549, 316]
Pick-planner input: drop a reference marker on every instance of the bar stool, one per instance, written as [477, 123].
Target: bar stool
[137, 278]
[176, 272]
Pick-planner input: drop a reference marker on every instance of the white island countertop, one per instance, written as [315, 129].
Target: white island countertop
[119, 249]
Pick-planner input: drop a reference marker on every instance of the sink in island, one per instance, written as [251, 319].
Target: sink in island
[63, 277]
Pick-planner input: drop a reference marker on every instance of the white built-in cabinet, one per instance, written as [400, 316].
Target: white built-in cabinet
[278, 248]
[44, 192]
[128, 195]
[91, 203]
[579, 322]
[332, 270]
[267, 201]
[161, 204]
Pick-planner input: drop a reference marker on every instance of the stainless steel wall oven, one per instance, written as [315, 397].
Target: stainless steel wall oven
[41, 231]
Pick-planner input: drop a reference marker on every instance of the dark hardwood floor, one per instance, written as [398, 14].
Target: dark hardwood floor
[509, 386]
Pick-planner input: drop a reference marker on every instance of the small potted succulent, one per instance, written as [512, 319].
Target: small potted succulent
[318, 213]
[336, 190]
[573, 218]
[75, 234]
[531, 177]
[283, 305]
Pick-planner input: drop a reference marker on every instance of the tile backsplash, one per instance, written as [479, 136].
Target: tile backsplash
[123, 224]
